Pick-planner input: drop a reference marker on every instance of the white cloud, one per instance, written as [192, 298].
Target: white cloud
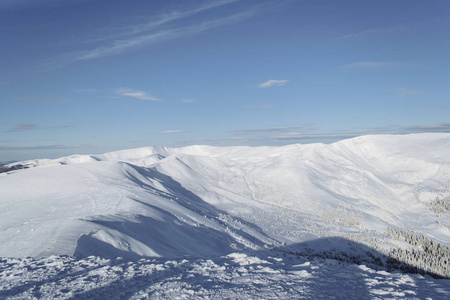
[173, 16]
[407, 92]
[187, 101]
[370, 32]
[376, 64]
[155, 29]
[135, 94]
[142, 37]
[172, 131]
[273, 82]
[119, 46]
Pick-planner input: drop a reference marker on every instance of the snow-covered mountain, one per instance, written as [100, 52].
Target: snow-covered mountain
[362, 200]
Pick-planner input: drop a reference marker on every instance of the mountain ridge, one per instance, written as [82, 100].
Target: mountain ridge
[158, 201]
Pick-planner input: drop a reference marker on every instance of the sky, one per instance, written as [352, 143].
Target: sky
[93, 76]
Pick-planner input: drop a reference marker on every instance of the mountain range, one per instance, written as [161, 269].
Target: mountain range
[382, 201]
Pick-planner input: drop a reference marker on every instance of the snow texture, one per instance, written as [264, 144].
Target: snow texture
[232, 222]
[234, 276]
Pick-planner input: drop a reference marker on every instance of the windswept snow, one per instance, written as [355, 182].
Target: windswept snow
[202, 202]
[234, 276]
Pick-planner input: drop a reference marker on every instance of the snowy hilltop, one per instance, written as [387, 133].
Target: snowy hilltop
[204, 221]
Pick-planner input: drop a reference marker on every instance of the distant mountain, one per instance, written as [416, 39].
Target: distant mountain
[390, 193]
[11, 166]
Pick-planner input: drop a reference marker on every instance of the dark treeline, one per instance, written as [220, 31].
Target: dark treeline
[425, 256]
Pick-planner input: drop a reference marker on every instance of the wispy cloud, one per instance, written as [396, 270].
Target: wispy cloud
[119, 46]
[370, 32]
[23, 127]
[114, 40]
[310, 134]
[135, 94]
[59, 127]
[158, 21]
[187, 101]
[149, 33]
[172, 131]
[29, 126]
[443, 128]
[277, 135]
[273, 82]
[407, 92]
[376, 64]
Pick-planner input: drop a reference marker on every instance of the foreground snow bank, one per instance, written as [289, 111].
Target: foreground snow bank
[235, 276]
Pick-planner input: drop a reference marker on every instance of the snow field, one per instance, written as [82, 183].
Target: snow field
[235, 222]
[235, 276]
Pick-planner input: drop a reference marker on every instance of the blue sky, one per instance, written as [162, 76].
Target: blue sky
[92, 76]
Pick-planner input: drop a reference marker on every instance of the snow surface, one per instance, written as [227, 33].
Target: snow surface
[234, 276]
[202, 208]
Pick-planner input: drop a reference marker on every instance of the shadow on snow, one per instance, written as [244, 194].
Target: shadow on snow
[166, 234]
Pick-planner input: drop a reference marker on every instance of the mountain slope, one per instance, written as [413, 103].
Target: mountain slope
[203, 200]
